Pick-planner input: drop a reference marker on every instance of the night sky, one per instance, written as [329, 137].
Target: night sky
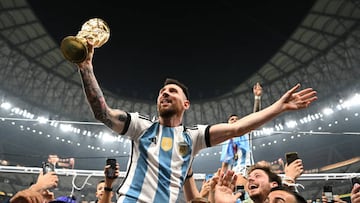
[212, 47]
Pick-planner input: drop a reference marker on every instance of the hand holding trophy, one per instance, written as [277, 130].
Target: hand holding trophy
[74, 48]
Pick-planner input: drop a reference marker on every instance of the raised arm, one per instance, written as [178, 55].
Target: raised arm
[113, 118]
[108, 190]
[257, 90]
[291, 100]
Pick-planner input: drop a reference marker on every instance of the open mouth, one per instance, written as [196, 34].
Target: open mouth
[253, 186]
[165, 101]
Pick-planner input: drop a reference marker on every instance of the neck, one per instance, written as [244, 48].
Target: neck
[173, 121]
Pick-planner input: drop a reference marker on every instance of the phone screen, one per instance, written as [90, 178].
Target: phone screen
[328, 193]
[355, 180]
[110, 172]
[241, 188]
[47, 167]
[291, 156]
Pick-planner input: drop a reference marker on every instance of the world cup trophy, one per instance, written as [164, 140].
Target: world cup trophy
[74, 48]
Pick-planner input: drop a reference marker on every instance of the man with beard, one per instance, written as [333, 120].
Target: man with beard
[163, 150]
[261, 179]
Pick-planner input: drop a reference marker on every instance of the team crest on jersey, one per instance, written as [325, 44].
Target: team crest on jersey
[183, 148]
[166, 143]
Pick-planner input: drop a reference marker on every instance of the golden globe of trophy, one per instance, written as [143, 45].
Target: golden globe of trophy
[74, 48]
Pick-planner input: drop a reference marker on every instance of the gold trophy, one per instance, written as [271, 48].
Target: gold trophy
[74, 48]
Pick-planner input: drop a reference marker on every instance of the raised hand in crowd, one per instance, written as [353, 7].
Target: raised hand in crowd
[45, 182]
[336, 199]
[206, 188]
[355, 193]
[224, 187]
[104, 191]
[294, 170]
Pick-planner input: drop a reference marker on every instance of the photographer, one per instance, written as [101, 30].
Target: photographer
[104, 190]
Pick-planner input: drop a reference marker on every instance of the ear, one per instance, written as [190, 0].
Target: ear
[274, 184]
[186, 104]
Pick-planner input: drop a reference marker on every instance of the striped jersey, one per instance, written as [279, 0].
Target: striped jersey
[159, 161]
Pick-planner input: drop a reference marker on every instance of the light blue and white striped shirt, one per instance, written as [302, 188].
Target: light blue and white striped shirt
[159, 161]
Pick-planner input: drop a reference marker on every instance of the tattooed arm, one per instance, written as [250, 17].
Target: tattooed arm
[112, 118]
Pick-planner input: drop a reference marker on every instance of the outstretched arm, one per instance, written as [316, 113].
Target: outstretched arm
[291, 100]
[113, 118]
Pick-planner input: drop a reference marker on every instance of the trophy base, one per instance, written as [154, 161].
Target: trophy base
[74, 49]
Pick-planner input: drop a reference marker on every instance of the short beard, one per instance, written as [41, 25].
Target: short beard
[167, 113]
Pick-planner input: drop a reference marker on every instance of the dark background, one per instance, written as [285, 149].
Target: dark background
[211, 46]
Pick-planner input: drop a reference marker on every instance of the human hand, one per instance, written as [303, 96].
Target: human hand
[27, 196]
[205, 188]
[355, 193]
[294, 169]
[48, 195]
[109, 181]
[88, 61]
[336, 199]
[257, 89]
[224, 188]
[293, 100]
[44, 182]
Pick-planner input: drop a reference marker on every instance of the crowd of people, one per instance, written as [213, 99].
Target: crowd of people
[163, 151]
[262, 185]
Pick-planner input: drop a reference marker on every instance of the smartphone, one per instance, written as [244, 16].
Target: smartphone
[291, 156]
[328, 193]
[110, 172]
[47, 167]
[240, 188]
[355, 180]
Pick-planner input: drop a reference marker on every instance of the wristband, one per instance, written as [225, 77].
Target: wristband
[189, 176]
[109, 189]
[286, 178]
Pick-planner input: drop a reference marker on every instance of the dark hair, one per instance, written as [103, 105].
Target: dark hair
[298, 197]
[231, 115]
[273, 177]
[181, 85]
[101, 181]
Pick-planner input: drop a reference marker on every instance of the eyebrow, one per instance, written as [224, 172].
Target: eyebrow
[279, 199]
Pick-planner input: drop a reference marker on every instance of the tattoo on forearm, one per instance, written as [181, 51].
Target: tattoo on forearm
[95, 97]
[122, 117]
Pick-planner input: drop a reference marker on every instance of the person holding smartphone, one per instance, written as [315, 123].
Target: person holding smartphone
[104, 189]
[293, 170]
[38, 192]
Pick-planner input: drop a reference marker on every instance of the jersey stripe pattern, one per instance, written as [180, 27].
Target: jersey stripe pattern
[159, 161]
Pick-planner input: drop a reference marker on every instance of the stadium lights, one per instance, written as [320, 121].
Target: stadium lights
[105, 136]
[5, 105]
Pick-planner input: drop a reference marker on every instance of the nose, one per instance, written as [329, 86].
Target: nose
[165, 93]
